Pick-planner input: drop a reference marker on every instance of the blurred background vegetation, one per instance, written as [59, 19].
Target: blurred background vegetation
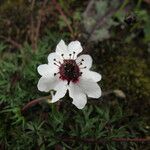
[115, 33]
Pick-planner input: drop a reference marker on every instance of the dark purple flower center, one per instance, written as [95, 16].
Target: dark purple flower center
[69, 71]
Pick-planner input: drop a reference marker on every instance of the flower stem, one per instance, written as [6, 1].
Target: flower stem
[34, 102]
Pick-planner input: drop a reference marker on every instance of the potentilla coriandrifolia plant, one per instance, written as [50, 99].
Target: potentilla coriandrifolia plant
[65, 71]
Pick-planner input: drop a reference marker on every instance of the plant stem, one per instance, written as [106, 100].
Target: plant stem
[40, 99]
[12, 42]
[58, 7]
[99, 141]
[40, 16]
[131, 140]
[34, 102]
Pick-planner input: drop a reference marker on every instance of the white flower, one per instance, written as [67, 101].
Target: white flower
[65, 71]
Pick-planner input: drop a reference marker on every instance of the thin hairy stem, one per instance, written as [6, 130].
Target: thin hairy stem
[35, 102]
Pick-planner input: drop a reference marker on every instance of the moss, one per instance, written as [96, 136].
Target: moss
[126, 68]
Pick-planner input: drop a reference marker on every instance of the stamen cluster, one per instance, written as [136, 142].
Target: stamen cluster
[69, 70]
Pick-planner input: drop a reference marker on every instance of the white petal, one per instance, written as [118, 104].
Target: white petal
[85, 60]
[53, 56]
[80, 101]
[61, 49]
[79, 98]
[75, 47]
[88, 74]
[91, 88]
[46, 84]
[51, 60]
[60, 83]
[46, 70]
[61, 89]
